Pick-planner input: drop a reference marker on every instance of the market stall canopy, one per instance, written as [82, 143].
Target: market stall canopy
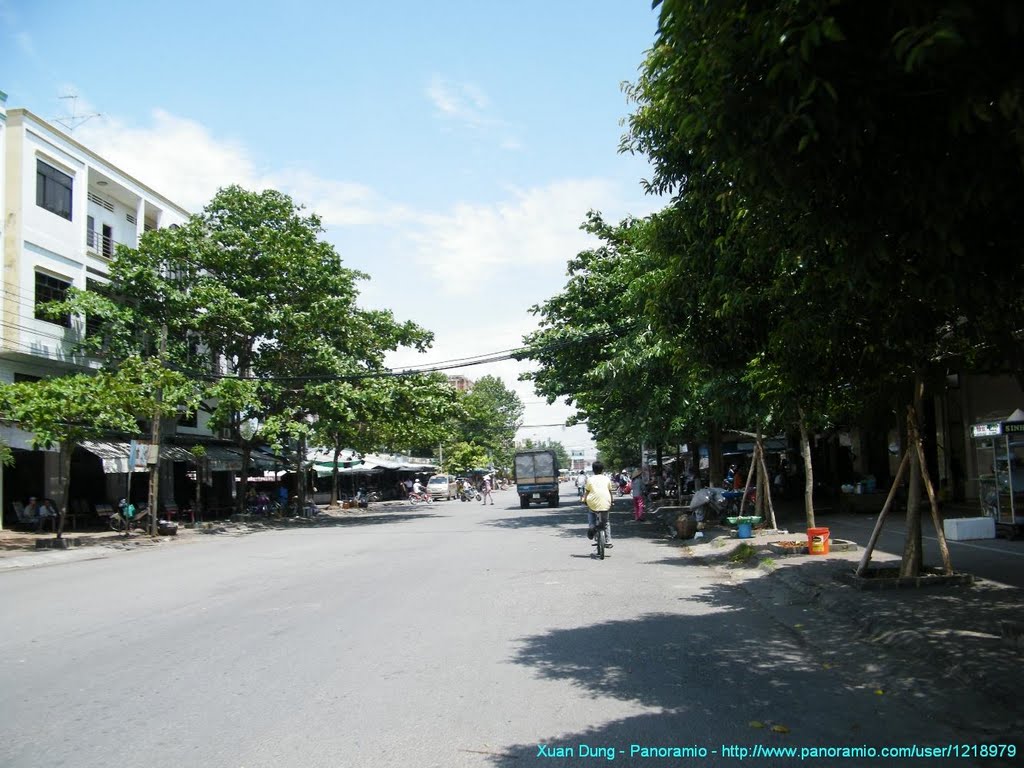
[370, 464]
[327, 470]
[324, 456]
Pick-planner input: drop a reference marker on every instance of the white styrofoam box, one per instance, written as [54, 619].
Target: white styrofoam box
[963, 528]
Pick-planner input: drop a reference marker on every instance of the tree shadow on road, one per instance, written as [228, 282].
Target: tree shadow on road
[321, 521]
[571, 523]
[862, 668]
[719, 671]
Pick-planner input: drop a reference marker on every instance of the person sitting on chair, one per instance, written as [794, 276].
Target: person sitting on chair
[44, 512]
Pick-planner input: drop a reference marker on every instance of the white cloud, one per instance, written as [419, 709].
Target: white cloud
[463, 102]
[467, 105]
[174, 155]
[26, 45]
[183, 161]
[338, 203]
[538, 226]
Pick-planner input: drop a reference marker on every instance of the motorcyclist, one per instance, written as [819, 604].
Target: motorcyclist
[419, 492]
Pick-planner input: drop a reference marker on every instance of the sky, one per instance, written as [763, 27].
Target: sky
[451, 148]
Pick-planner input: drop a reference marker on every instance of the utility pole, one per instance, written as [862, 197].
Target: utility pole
[154, 457]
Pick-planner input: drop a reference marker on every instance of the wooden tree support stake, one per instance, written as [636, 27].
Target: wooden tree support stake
[768, 492]
[866, 557]
[947, 561]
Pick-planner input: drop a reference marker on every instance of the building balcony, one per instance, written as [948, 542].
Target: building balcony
[100, 244]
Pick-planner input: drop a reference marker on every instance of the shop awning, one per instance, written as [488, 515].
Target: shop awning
[115, 454]
[263, 458]
[223, 459]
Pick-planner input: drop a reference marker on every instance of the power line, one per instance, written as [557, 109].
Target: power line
[494, 357]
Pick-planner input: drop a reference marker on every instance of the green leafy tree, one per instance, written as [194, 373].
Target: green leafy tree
[374, 413]
[493, 414]
[462, 458]
[260, 306]
[597, 348]
[849, 111]
[561, 455]
[67, 410]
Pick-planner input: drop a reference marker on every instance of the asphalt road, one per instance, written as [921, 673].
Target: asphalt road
[448, 635]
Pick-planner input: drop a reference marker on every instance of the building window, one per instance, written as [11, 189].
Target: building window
[93, 323]
[51, 289]
[191, 421]
[53, 190]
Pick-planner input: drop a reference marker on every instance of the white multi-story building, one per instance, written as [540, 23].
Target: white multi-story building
[65, 209]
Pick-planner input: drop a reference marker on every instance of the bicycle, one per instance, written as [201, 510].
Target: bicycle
[601, 534]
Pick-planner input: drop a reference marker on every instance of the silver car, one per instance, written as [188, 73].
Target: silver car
[441, 487]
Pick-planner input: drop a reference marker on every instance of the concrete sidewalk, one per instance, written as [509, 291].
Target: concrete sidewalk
[18, 548]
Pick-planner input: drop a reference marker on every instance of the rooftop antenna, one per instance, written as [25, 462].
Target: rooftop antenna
[74, 120]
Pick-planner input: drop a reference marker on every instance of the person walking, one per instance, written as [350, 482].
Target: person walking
[598, 496]
[485, 489]
[637, 491]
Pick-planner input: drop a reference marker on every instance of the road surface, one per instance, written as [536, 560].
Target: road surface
[454, 634]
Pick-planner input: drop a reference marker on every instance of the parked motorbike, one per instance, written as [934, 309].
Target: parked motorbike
[709, 505]
[714, 504]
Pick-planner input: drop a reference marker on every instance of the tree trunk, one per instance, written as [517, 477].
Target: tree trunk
[659, 468]
[246, 455]
[335, 476]
[65, 485]
[677, 471]
[910, 566]
[200, 475]
[805, 451]
[758, 459]
[714, 456]
[301, 490]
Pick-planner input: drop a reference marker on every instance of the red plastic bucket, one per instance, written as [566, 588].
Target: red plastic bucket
[818, 541]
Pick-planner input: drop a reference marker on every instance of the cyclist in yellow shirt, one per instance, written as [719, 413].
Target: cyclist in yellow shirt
[597, 493]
